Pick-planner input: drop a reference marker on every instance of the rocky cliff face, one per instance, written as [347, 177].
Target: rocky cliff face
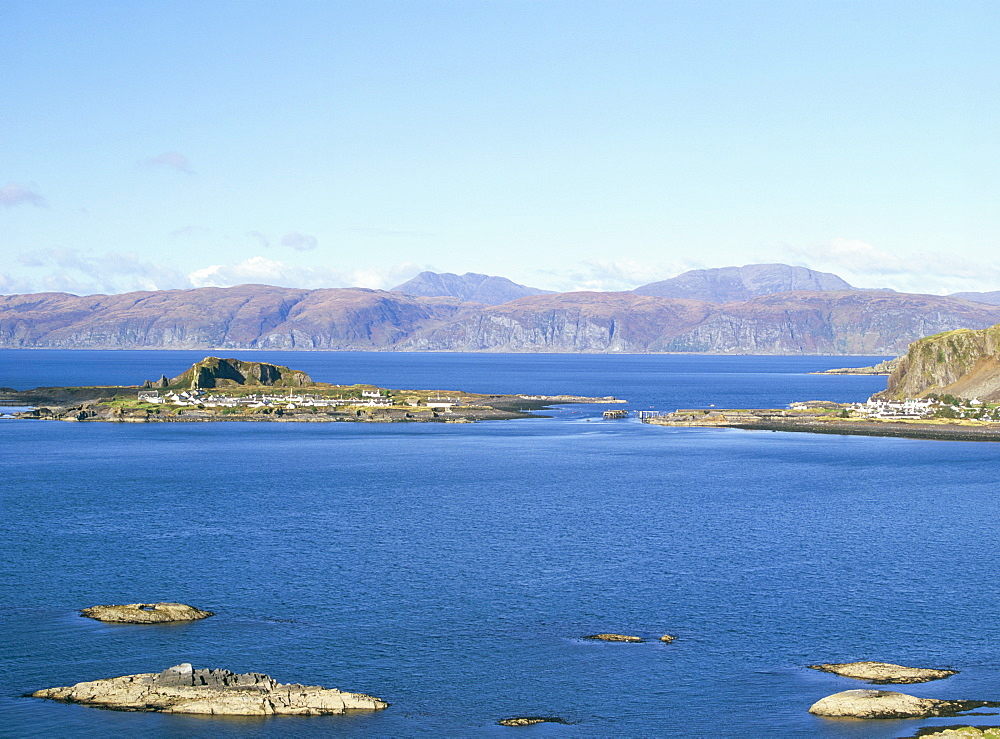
[213, 372]
[831, 322]
[964, 363]
[243, 317]
[567, 322]
[262, 317]
[844, 322]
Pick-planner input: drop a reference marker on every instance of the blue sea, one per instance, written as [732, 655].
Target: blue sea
[452, 570]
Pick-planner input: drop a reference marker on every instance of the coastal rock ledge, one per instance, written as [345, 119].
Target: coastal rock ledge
[145, 613]
[884, 673]
[889, 704]
[183, 689]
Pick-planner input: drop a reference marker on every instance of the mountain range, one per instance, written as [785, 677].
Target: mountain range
[755, 309]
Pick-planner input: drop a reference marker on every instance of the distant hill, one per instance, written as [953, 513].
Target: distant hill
[737, 284]
[471, 287]
[964, 363]
[242, 317]
[829, 322]
[265, 317]
[990, 298]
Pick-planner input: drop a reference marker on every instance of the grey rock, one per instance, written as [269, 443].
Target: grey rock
[184, 689]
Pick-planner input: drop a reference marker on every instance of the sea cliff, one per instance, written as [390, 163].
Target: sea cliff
[964, 363]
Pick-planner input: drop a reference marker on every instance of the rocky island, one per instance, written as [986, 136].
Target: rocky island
[884, 673]
[216, 389]
[183, 689]
[145, 613]
[888, 704]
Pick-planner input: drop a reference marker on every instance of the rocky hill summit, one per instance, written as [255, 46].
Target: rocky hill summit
[213, 372]
[737, 284]
[471, 286]
[964, 363]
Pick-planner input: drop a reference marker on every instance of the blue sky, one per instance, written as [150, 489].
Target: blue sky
[566, 145]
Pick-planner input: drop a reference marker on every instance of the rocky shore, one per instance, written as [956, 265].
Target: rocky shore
[490, 408]
[183, 689]
[882, 368]
[818, 422]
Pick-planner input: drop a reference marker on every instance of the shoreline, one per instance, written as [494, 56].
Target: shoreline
[942, 432]
[493, 408]
[837, 427]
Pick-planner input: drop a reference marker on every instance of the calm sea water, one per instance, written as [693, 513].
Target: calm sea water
[452, 569]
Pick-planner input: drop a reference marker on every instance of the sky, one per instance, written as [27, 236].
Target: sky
[564, 144]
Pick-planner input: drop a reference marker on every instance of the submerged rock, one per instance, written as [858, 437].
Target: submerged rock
[183, 689]
[615, 637]
[146, 613]
[531, 720]
[884, 673]
[889, 704]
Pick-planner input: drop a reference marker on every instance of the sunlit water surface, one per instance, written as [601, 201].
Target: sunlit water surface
[453, 569]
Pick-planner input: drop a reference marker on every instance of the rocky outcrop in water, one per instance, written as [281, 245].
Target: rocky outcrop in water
[183, 689]
[616, 637]
[145, 613]
[882, 704]
[884, 673]
[531, 720]
[882, 368]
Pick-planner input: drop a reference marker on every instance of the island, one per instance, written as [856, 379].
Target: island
[888, 704]
[145, 613]
[217, 389]
[884, 673]
[183, 689]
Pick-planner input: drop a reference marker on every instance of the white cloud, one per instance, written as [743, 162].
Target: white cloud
[865, 265]
[171, 160]
[11, 285]
[85, 273]
[600, 275]
[266, 271]
[298, 241]
[13, 194]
